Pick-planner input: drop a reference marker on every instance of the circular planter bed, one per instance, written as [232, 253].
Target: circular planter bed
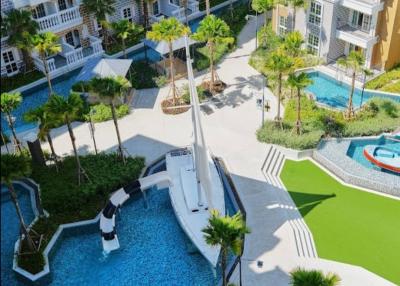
[168, 106]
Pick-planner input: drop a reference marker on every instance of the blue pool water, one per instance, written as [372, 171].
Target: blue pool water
[356, 149]
[333, 93]
[10, 230]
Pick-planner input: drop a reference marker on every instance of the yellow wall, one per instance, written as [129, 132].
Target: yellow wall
[280, 10]
[387, 51]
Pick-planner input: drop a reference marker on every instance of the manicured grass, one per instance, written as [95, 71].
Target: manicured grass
[348, 225]
[389, 81]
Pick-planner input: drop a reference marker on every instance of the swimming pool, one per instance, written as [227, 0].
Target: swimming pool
[333, 93]
[356, 149]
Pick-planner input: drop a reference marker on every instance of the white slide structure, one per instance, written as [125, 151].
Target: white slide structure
[118, 198]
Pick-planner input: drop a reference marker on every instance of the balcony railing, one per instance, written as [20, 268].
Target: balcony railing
[61, 20]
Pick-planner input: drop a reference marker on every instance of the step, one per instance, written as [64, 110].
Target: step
[271, 157]
[273, 161]
[266, 157]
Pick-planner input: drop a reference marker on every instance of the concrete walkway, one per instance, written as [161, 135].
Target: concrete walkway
[230, 133]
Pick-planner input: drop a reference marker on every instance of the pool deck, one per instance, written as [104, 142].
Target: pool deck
[229, 128]
[333, 155]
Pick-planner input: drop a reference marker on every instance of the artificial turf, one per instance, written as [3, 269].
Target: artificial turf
[348, 225]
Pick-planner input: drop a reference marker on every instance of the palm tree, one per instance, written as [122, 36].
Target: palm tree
[296, 4]
[302, 277]
[299, 82]
[227, 232]
[263, 6]
[14, 167]
[46, 44]
[20, 27]
[293, 43]
[9, 102]
[40, 116]
[100, 8]
[354, 62]
[279, 63]
[366, 73]
[67, 110]
[110, 90]
[124, 29]
[168, 30]
[215, 31]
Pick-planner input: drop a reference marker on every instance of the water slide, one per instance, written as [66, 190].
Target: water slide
[118, 198]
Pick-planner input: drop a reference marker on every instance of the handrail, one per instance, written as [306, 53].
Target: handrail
[58, 19]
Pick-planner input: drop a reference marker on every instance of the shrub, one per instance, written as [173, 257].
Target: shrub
[200, 92]
[18, 80]
[142, 75]
[302, 277]
[81, 86]
[102, 112]
[202, 60]
[161, 80]
[389, 81]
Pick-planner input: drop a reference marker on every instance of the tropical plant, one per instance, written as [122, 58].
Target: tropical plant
[292, 44]
[46, 44]
[45, 123]
[353, 62]
[279, 63]
[366, 73]
[100, 8]
[214, 31]
[263, 6]
[68, 110]
[296, 4]
[302, 277]
[124, 29]
[228, 233]
[20, 28]
[298, 82]
[169, 30]
[110, 90]
[14, 167]
[9, 102]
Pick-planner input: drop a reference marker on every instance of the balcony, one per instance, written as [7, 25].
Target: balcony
[355, 36]
[168, 9]
[60, 21]
[24, 3]
[70, 57]
[369, 7]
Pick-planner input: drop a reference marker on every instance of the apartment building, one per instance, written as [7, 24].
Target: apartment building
[333, 28]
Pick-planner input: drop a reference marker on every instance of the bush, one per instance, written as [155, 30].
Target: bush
[202, 60]
[161, 80]
[389, 81]
[302, 277]
[102, 112]
[81, 86]
[18, 80]
[142, 75]
[201, 92]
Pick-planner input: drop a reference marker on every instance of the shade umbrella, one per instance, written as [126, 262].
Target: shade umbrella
[102, 68]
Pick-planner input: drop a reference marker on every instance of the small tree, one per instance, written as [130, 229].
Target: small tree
[46, 44]
[20, 28]
[263, 6]
[14, 167]
[354, 62]
[68, 110]
[215, 31]
[124, 29]
[299, 82]
[9, 102]
[169, 30]
[302, 277]
[227, 232]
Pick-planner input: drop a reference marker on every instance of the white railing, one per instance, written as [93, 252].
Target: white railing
[193, 6]
[39, 64]
[179, 13]
[156, 18]
[59, 20]
[95, 43]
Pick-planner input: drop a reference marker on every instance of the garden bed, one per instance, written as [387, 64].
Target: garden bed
[389, 81]
[19, 80]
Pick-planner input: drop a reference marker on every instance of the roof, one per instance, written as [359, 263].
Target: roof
[162, 47]
[99, 67]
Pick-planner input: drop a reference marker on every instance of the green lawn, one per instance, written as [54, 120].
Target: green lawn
[348, 225]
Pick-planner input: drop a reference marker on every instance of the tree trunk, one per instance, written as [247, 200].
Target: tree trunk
[171, 65]
[145, 14]
[207, 7]
[212, 73]
[105, 35]
[14, 134]
[53, 152]
[28, 59]
[46, 71]
[350, 110]
[78, 162]
[123, 47]
[278, 114]
[223, 266]
[294, 19]
[114, 116]
[298, 122]
[24, 229]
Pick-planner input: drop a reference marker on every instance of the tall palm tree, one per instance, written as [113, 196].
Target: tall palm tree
[299, 82]
[263, 6]
[355, 63]
[9, 102]
[168, 30]
[280, 64]
[227, 232]
[14, 167]
[101, 8]
[302, 277]
[214, 31]
[46, 44]
[110, 90]
[124, 29]
[296, 4]
[20, 27]
[68, 110]
[293, 44]
[43, 118]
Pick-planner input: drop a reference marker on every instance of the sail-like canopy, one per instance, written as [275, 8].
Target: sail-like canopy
[162, 47]
[99, 67]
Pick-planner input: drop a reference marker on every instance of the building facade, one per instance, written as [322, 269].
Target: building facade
[333, 28]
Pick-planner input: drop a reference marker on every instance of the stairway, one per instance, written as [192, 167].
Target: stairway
[271, 168]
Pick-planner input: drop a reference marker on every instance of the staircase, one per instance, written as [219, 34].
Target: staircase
[271, 168]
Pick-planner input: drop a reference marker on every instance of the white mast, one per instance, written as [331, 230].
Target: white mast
[199, 146]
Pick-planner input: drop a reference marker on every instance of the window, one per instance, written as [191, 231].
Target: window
[69, 38]
[127, 14]
[313, 44]
[9, 60]
[361, 21]
[315, 13]
[8, 57]
[62, 5]
[156, 10]
[282, 25]
[174, 2]
[38, 11]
